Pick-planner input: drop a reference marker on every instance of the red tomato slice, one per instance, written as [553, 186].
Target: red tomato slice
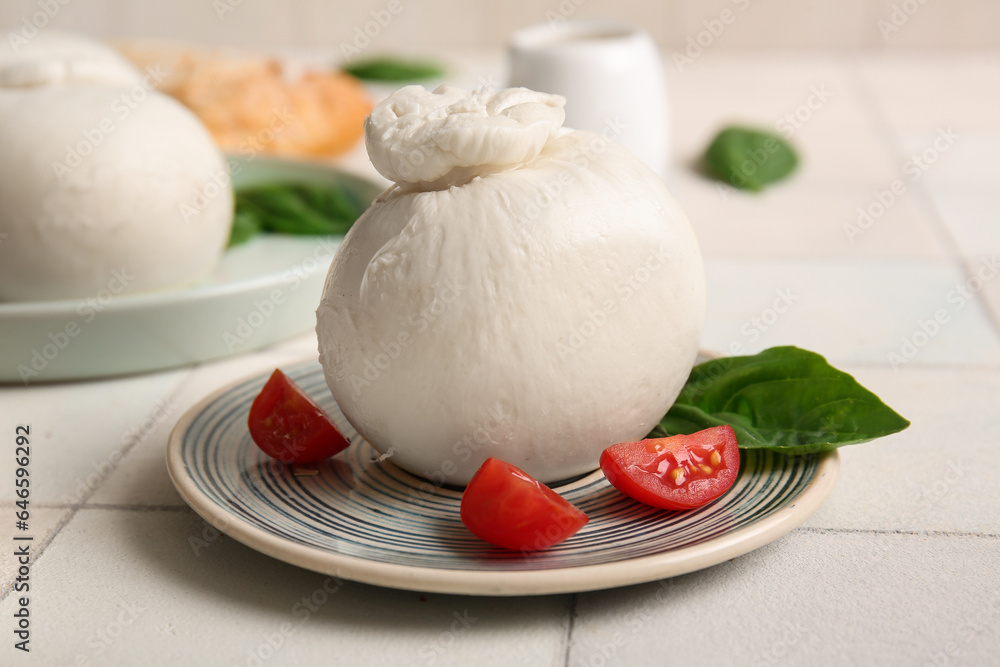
[508, 508]
[676, 473]
[289, 426]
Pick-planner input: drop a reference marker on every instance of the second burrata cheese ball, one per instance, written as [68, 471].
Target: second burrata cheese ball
[523, 291]
[107, 185]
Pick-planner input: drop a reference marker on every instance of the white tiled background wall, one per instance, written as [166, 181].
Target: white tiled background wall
[430, 25]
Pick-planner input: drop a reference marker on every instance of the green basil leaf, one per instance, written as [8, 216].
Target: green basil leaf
[394, 69]
[785, 398]
[300, 208]
[747, 158]
[246, 225]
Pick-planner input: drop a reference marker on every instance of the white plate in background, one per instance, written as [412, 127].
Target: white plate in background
[262, 292]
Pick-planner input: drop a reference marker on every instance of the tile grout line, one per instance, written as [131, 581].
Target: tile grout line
[892, 141]
[992, 315]
[74, 508]
[568, 638]
[8, 586]
[136, 508]
[914, 533]
[105, 506]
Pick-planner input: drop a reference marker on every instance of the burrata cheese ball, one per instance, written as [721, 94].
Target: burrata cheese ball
[523, 291]
[107, 185]
[54, 57]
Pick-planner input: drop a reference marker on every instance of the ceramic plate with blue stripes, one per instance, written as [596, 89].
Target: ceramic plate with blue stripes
[364, 519]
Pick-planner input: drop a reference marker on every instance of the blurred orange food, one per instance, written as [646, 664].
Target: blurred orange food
[255, 105]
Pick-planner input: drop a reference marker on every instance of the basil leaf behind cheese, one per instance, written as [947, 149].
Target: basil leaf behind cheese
[295, 208]
[245, 226]
[394, 69]
[784, 398]
[749, 159]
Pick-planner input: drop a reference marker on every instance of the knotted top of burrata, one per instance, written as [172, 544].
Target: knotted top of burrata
[449, 136]
[523, 291]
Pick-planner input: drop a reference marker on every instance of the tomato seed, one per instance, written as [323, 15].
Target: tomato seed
[715, 459]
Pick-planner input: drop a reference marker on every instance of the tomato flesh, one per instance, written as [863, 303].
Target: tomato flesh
[508, 508]
[676, 473]
[288, 425]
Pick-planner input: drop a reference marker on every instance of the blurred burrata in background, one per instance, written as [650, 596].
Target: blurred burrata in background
[105, 183]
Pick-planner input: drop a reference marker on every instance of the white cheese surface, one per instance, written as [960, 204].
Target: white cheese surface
[52, 57]
[538, 314]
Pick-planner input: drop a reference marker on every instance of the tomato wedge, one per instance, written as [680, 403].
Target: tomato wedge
[508, 508]
[676, 473]
[289, 426]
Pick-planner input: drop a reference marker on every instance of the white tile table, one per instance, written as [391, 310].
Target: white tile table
[900, 566]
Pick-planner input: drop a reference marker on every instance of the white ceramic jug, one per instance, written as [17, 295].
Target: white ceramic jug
[611, 75]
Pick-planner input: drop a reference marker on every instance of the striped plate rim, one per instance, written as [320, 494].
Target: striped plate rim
[367, 520]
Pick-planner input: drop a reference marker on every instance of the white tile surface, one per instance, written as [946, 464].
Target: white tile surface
[175, 604]
[80, 432]
[850, 311]
[808, 25]
[969, 24]
[919, 92]
[898, 567]
[43, 523]
[802, 218]
[969, 163]
[812, 598]
[972, 216]
[141, 478]
[848, 25]
[923, 479]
